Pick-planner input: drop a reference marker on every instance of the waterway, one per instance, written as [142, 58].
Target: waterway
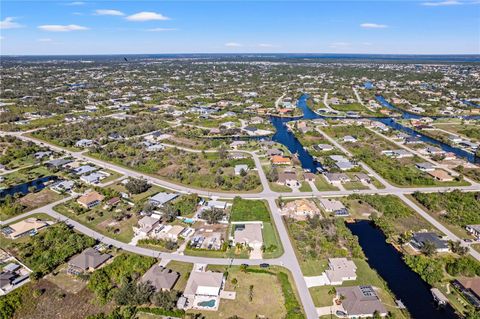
[39, 184]
[283, 136]
[402, 281]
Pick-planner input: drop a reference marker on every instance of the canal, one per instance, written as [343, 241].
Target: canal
[24, 188]
[402, 281]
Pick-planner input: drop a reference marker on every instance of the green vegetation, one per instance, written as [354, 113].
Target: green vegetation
[11, 302]
[51, 247]
[185, 205]
[294, 310]
[249, 210]
[104, 282]
[459, 208]
[317, 239]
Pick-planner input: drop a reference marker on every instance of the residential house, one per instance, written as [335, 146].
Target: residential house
[202, 286]
[239, 168]
[88, 260]
[84, 143]
[84, 169]
[340, 270]
[474, 230]
[425, 167]
[146, 225]
[336, 178]
[280, 160]
[342, 163]
[419, 239]
[360, 301]
[162, 198]
[249, 234]
[400, 153]
[163, 279]
[441, 175]
[323, 147]
[90, 199]
[333, 206]
[470, 288]
[349, 139]
[27, 226]
[287, 178]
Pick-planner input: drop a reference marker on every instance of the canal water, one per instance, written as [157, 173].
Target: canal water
[39, 184]
[402, 281]
[283, 136]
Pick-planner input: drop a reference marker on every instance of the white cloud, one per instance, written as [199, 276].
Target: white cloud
[61, 28]
[108, 12]
[1, 38]
[44, 40]
[160, 29]
[266, 45]
[442, 3]
[9, 23]
[233, 44]
[147, 16]
[76, 3]
[373, 26]
[339, 45]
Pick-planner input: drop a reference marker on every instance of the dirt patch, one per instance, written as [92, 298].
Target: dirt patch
[59, 304]
[42, 198]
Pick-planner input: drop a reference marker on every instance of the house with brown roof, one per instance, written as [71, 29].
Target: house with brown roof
[24, 227]
[280, 160]
[470, 288]
[90, 199]
[441, 175]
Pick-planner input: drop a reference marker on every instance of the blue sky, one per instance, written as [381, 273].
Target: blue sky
[104, 27]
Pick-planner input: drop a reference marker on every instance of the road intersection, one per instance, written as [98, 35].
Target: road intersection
[288, 259]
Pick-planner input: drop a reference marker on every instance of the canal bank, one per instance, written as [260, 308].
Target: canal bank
[405, 284]
[25, 188]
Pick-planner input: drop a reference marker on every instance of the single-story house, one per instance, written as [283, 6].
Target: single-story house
[63, 186]
[336, 178]
[202, 287]
[331, 205]
[349, 139]
[474, 230]
[470, 288]
[360, 301]
[419, 239]
[280, 160]
[425, 167]
[93, 178]
[340, 270]
[90, 199]
[24, 227]
[162, 198]
[287, 178]
[238, 168]
[441, 175]
[81, 170]
[88, 260]
[217, 204]
[146, 225]
[57, 163]
[249, 234]
[323, 147]
[84, 143]
[400, 153]
[163, 279]
[362, 177]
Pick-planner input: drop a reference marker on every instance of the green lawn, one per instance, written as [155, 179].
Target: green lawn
[305, 187]
[354, 185]
[279, 188]
[249, 210]
[271, 238]
[323, 185]
[184, 270]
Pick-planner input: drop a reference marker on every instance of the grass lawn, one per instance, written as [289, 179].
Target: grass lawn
[349, 107]
[113, 176]
[103, 224]
[66, 282]
[272, 294]
[271, 238]
[154, 189]
[39, 199]
[305, 187]
[249, 210]
[184, 270]
[229, 253]
[323, 185]
[24, 175]
[354, 185]
[279, 188]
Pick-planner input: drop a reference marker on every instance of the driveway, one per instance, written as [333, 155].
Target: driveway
[316, 281]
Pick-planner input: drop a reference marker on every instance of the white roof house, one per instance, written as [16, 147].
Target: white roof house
[240, 167]
[249, 234]
[204, 283]
[340, 270]
[331, 205]
[162, 198]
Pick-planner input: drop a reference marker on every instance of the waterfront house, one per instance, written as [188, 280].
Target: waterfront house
[280, 160]
[419, 239]
[360, 301]
[333, 206]
[336, 178]
[323, 147]
[340, 270]
[287, 178]
[470, 288]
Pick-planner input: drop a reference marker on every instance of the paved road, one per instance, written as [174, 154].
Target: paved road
[288, 259]
[359, 99]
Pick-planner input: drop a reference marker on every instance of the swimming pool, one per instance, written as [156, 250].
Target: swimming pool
[207, 304]
[188, 220]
